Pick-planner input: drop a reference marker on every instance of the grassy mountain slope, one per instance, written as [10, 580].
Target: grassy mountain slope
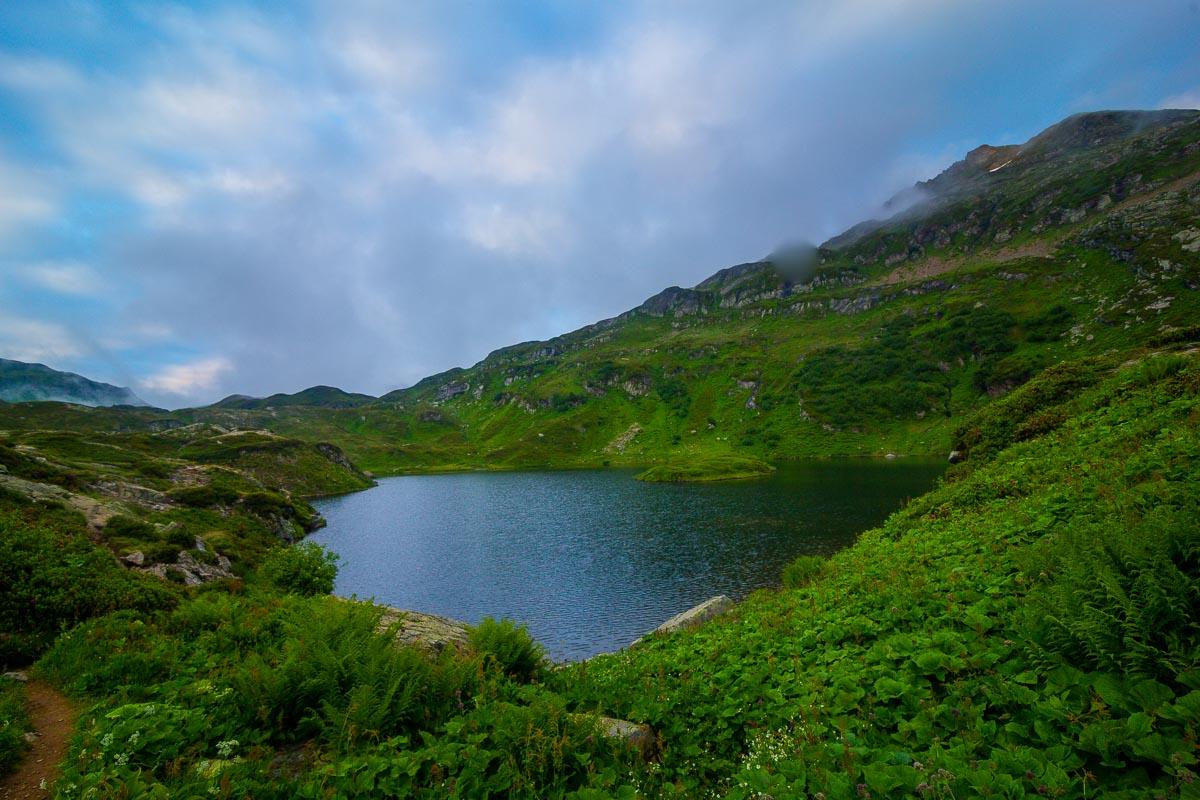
[1026, 629]
[21, 382]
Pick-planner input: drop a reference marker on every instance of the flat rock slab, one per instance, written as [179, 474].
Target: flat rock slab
[427, 631]
[697, 615]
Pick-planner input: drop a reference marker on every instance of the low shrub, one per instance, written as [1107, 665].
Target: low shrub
[52, 577]
[802, 571]
[510, 647]
[14, 722]
[305, 569]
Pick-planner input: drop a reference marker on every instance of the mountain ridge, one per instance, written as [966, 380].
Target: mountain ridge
[23, 382]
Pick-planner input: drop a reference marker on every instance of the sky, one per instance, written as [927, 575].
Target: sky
[199, 199]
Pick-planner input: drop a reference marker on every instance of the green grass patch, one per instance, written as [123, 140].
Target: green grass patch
[707, 469]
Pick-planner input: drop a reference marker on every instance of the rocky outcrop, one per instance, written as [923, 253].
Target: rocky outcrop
[619, 444]
[452, 390]
[94, 511]
[674, 301]
[134, 494]
[426, 631]
[694, 616]
[637, 735]
[190, 570]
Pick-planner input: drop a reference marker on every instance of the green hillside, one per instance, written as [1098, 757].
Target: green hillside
[1027, 629]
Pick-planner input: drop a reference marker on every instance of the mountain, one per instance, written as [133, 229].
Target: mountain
[21, 382]
[1081, 242]
[314, 396]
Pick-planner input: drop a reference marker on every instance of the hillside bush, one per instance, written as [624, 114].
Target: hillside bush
[801, 571]
[52, 577]
[305, 569]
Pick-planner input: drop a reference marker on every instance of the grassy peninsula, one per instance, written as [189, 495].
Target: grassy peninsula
[707, 470]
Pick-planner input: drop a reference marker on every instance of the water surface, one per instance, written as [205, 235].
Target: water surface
[590, 560]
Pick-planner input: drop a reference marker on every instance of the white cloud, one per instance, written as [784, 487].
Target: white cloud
[24, 198]
[63, 277]
[506, 230]
[1189, 99]
[189, 378]
[34, 340]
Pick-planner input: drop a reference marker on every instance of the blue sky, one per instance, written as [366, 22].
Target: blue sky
[205, 198]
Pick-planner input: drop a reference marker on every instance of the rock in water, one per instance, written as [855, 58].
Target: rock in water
[712, 607]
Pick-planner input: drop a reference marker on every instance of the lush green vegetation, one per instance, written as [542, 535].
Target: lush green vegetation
[305, 569]
[54, 578]
[270, 696]
[1026, 629]
[709, 468]
[14, 723]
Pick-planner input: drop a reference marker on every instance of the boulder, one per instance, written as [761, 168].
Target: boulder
[135, 559]
[427, 631]
[697, 615]
[956, 456]
[634, 734]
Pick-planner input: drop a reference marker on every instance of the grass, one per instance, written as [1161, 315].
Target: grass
[14, 724]
[708, 469]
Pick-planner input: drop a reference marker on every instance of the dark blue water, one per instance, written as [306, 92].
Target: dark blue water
[590, 560]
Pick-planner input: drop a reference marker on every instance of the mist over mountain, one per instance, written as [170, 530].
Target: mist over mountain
[21, 382]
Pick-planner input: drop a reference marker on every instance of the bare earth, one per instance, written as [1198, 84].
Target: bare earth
[53, 720]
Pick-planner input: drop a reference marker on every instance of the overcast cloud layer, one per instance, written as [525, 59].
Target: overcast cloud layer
[220, 197]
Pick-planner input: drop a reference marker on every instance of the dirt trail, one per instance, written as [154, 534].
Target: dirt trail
[53, 719]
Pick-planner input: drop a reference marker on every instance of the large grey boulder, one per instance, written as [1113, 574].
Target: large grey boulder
[427, 631]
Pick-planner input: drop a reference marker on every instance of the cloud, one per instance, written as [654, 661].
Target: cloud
[1189, 99]
[188, 379]
[25, 198]
[24, 339]
[502, 229]
[364, 193]
[63, 277]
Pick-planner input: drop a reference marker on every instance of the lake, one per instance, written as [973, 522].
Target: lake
[589, 560]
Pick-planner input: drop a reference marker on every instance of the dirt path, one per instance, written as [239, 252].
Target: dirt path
[53, 719]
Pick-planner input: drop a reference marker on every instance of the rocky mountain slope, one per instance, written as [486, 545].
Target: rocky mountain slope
[22, 382]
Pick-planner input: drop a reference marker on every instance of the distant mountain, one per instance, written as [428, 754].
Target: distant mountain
[21, 382]
[314, 397]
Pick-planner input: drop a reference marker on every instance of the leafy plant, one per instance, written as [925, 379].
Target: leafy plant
[509, 646]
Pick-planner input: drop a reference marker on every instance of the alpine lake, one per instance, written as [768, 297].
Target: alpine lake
[589, 560]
